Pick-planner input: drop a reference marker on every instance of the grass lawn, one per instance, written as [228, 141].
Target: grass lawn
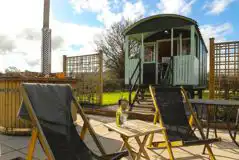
[111, 98]
[205, 94]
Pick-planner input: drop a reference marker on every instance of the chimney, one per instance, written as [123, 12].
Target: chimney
[46, 41]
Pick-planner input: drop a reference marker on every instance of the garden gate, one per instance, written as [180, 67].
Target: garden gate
[88, 70]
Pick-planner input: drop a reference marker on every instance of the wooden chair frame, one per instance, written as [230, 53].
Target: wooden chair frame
[192, 120]
[38, 133]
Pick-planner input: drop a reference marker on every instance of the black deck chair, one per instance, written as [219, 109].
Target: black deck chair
[48, 107]
[171, 114]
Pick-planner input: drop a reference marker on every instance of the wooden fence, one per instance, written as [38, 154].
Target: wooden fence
[224, 69]
[88, 70]
[10, 101]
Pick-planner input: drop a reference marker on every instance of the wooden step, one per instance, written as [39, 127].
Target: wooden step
[143, 106]
[141, 113]
[144, 103]
[138, 110]
[145, 96]
[143, 110]
[141, 116]
[145, 100]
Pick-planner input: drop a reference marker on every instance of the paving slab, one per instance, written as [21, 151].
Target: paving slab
[110, 145]
[93, 147]
[17, 142]
[38, 152]
[15, 146]
[11, 155]
[4, 137]
[113, 135]
[95, 123]
[101, 130]
[5, 149]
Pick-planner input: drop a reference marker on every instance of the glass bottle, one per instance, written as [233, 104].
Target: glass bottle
[121, 113]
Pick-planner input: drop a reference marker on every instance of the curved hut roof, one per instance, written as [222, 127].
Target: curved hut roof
[153, 24]
[160, 21]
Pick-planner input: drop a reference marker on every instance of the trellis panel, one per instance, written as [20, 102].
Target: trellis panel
[88, 70]
[224, 69]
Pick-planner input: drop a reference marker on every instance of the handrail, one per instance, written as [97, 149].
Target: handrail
[135, 98]
[137, 66]
[169, 68]
[168, 71]
[135, 82]
[131, 87]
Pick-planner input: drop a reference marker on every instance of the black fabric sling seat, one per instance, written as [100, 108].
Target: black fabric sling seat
[172, 109]
[52, 106]
[68, 147]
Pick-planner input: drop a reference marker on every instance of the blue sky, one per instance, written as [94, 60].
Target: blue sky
[227, 12]
[76, 23]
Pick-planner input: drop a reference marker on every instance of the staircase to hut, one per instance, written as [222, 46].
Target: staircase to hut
[142, 104]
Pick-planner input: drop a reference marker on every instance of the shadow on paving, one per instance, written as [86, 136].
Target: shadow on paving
[110, 145]
[16, 152]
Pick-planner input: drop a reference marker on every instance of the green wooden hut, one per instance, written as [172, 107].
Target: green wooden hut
[171, 51]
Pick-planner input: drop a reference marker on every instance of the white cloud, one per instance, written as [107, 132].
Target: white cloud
[219, 32]
[74, 34]
[183, 7]
[20, 36]
[133, 10]
[91, 5]
[108, 11]
[217, 6]
[130, 11]
[6, 44]
[20, 30]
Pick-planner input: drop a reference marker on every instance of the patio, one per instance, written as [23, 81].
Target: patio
[16, 146]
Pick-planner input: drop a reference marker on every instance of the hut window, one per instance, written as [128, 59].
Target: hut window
[186, 47]
[149, 54]
[134, 50]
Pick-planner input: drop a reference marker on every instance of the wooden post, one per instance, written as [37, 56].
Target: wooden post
[126, 58]
[192, 41]
[140, 71]
[171, 42]
[156, 48]
[101, 77]
[142, 57]
[180, 44]
[212, 70]
[130, 92]
[64, 64]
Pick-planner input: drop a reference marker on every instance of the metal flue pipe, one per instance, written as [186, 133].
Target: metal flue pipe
[46, 41]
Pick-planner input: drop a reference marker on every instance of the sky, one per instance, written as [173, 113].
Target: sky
[75, 24]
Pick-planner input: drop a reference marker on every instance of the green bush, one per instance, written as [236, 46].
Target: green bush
[111, 85]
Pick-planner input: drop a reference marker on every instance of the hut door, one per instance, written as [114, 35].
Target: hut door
[149, 73]
[163, 58]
